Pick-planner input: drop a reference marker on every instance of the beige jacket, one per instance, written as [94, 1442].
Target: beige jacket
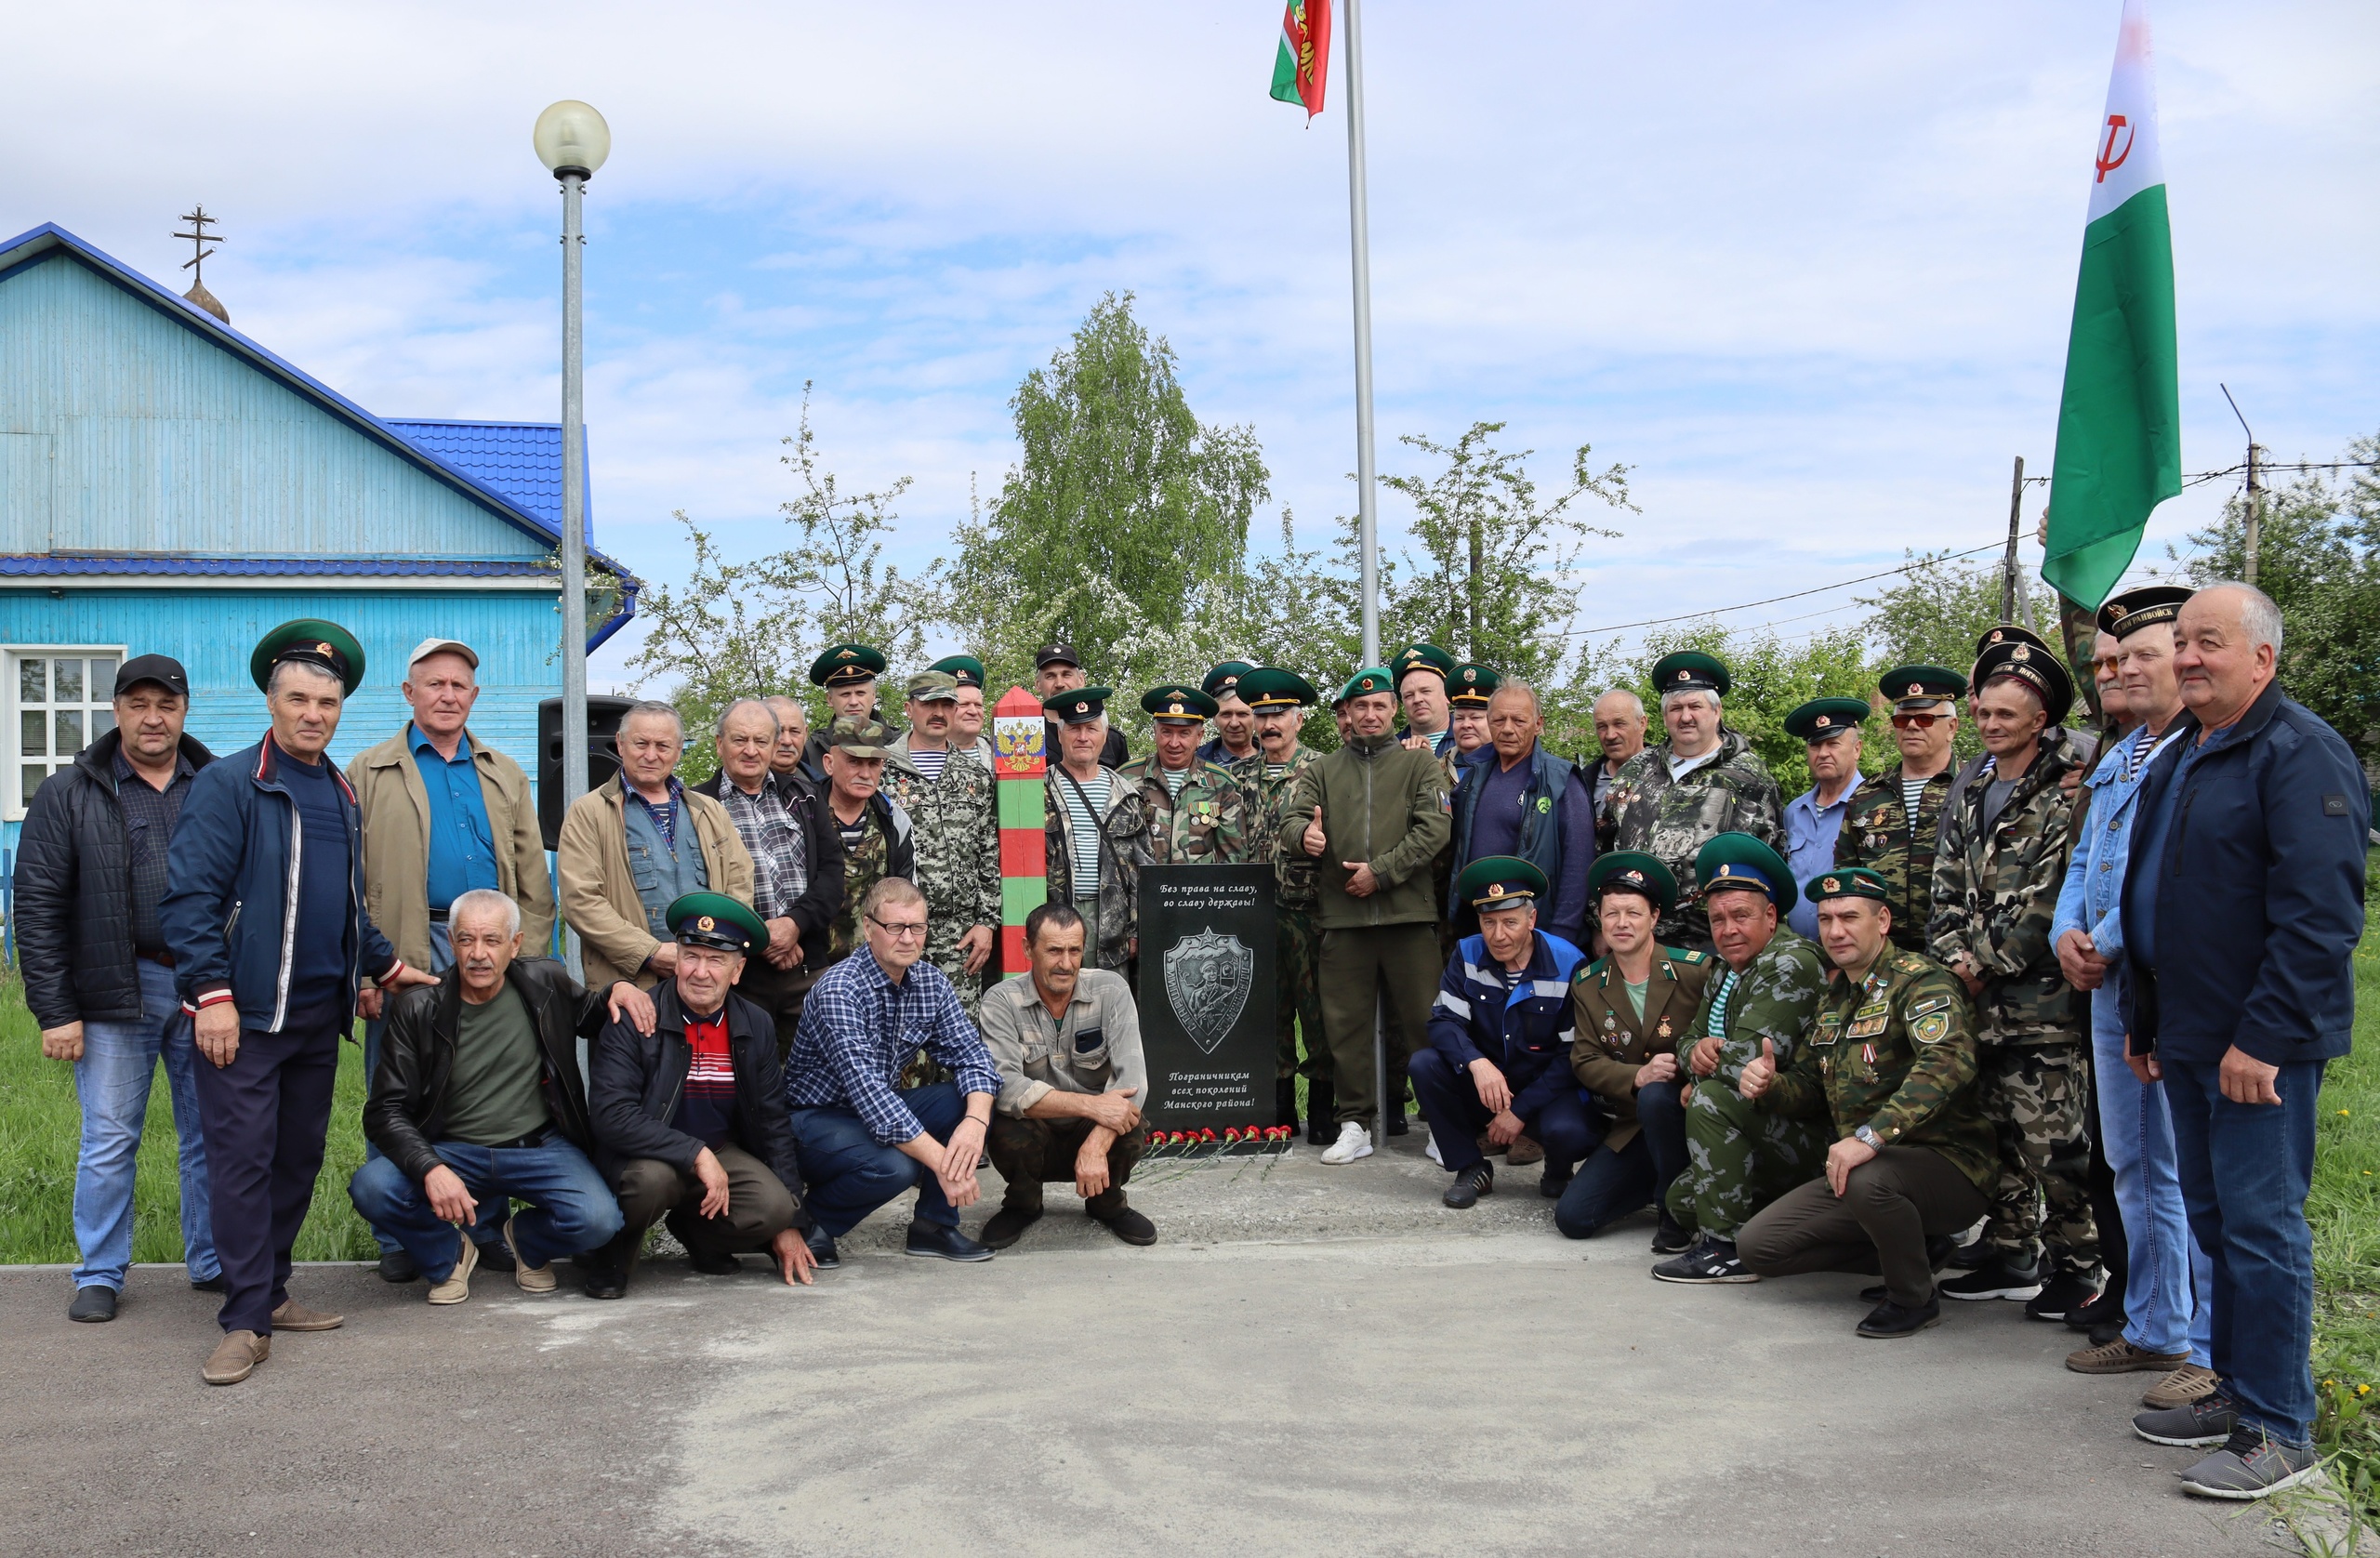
[599, 896]
[394, 810]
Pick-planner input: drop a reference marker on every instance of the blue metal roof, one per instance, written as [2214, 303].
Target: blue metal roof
[521, 460]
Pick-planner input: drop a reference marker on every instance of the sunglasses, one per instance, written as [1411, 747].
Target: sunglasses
[1918, 721]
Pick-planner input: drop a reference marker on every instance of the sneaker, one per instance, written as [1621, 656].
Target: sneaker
[2121, 1356]
[533, 1279]
[2059, 1297]
[2206, 1421]
[1707, 1260]
[1669, 1237]
[1891, 1322]
[456, 1285]
[235, 1357]
[1007, 1225]
[2190, 1383]
[1354, 1141]
[2250, 1465]
[1430, 1151]
[93, 1305]
[1993, 1279]
[2107, 1307]
[1470, 1185]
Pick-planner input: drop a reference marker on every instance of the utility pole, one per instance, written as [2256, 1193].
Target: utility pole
[2008, 568]
[2254, 518]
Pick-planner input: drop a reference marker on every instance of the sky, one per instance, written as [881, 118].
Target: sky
[1807, 271]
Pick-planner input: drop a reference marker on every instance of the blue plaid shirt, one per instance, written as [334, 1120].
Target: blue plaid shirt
[859, 1029]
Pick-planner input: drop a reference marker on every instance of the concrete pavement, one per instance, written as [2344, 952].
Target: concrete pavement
[1309, 1358]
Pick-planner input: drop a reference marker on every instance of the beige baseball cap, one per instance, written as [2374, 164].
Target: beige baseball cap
[429, 647]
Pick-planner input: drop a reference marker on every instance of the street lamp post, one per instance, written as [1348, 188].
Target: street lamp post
[572, 141]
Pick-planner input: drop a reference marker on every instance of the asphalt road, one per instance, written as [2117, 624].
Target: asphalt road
[1311, 1359]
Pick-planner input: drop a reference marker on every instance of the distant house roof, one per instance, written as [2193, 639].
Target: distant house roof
[498, 465]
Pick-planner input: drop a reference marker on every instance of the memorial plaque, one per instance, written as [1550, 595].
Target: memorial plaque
[1206, 995]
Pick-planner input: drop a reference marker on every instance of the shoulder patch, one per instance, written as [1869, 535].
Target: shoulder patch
[1588, 970]
[1910, 963]
[1931, 1029]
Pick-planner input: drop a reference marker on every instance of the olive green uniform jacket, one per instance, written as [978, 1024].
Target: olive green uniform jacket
[1382, 803]
[1612, 1042]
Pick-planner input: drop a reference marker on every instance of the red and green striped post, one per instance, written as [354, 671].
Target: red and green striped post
[1021, 765]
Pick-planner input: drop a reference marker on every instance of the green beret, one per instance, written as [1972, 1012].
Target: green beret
[1471, 686]
[1500, 880]
[2040, 670]
[965, 668]
[1077, 706]
[1739, 863]
[1848, 882]
[1921, 684]
[859, 736]
[716, 920]
[1630, 871]
[1690, 670]
[1270, 687]
[2125, 614]
[1175, 701]
[1824, 718]
[846, 665]
[1422, 657]
[1224, 678]
[310, 641]
[1372, 680]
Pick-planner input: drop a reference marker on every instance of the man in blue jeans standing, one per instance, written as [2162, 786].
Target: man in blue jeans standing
[864, 1138]
[2241, 909]
[91, 874]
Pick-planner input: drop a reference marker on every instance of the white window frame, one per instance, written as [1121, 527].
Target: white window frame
[12, 796]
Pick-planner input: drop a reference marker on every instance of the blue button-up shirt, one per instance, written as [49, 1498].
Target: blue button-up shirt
[462, 844]
[859, 1030]
[1811, 832]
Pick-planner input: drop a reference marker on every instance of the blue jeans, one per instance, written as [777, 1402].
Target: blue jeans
[1449, 1100]
[112, 1080]
[850, 1173]
[570, 1209]
[2245, 1170]
[441, 958]
[1610, 1185]
[2169, 1291]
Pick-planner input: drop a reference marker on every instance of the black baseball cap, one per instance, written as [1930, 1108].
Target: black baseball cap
[1057, 654]
[163, 669]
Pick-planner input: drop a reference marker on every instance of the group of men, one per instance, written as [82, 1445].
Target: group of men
[1833, 1034]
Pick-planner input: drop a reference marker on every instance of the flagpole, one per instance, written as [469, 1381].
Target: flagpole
[1367, 509]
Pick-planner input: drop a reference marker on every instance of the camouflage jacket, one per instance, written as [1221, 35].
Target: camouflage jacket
[1995, 894]
[1672, 819]
[1206, 825]
[1877, 834]
[1111, 912]
[957, 845]
[1268, 804]
[1776, 999]
[886, 848]
[1895, 1051]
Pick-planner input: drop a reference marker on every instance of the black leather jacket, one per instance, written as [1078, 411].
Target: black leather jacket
[634, 1081]
[407, 1109]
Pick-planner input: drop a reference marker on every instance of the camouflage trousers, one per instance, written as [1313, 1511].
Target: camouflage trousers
[2037, 1096]
[943, 953]
[1738, 1157]
[1297, 995]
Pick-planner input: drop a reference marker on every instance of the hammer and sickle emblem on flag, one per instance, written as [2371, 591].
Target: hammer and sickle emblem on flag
[2110, 159]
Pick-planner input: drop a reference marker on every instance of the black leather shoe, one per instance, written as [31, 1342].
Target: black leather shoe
[943, 1243]
[1284, 1102]
[493, 1256]
[1007, 1225]
[823, 1253]
[396, 1265]
[94, 1305]
[207, 1283]
[1129, 1226]
[1550, 1185]
[605, 1282]
[1890, 1322]
[1321, 1112]
[1469, 1186]
[1669, 1239]
[714, 1262]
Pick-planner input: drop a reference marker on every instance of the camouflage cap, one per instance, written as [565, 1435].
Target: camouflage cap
[934, 687]
[860, 735]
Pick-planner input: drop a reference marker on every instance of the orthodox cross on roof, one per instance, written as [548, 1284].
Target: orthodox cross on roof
[198, 238]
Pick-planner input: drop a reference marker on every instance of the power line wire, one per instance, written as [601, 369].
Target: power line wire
[1796, 595]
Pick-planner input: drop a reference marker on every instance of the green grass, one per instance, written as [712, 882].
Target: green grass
[40, 1129]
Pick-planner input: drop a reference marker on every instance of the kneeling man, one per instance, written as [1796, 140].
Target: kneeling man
[865, 1138]
[1500, 1037]
[1762, 1001]
[1067, 1042]
[1891, 1063]
[478, 1095]
[690, 1111]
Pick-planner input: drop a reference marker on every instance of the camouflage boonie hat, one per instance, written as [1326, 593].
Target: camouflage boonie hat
[859, 736]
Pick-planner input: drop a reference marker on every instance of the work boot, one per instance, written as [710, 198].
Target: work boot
[1284, 1102]
[1470, 1185]
[295, 1316]
[1993, 1279]
[1321, 1112]
[1892, 1321]
[1670, 1238]
[2121, 1356]
[2250, 1466]
[2190, 1383]
[2059, 1297]
[1007, 1225]
[235, 1357]
[1524, 1152]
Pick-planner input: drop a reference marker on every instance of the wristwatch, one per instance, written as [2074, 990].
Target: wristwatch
[1869, 1139]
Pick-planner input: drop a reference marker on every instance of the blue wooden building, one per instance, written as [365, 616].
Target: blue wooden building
[168, 486]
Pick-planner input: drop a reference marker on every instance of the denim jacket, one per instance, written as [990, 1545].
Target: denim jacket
[2091, 899]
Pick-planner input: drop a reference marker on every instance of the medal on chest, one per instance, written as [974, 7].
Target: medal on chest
[1664, 1030]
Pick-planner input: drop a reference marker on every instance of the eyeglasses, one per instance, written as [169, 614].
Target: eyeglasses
[898, 932]
[1918, 721]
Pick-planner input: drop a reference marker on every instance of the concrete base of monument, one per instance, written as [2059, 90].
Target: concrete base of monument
[1310, 1358]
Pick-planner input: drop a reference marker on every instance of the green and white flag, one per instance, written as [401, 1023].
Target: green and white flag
[2118, 420]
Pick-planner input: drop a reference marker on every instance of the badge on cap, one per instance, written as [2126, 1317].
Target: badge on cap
[1915, 691]
[1176, 708]
[1632, 876]
[1681, 676]
[1471, 674]
[2117, 613]
[705, 923]
[1824, 721]
[1833, 884]
[2020, 654]
[1082, 708]
[1495, 889]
